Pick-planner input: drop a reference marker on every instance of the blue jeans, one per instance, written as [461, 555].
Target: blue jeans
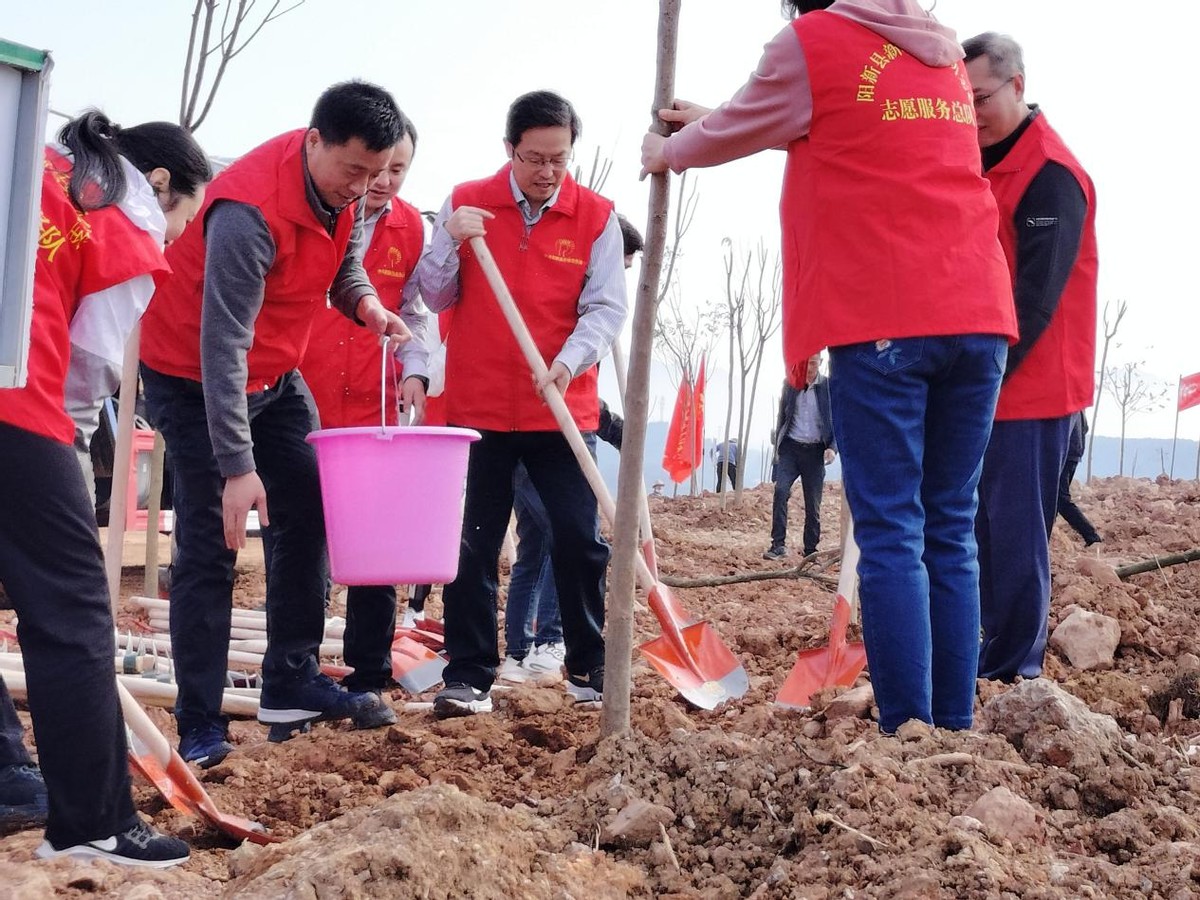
[912, 418]
[1018, 501]
[806, 462]
[202, 572]
[531, 614]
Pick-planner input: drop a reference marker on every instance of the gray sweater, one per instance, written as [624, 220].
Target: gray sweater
[239, 252]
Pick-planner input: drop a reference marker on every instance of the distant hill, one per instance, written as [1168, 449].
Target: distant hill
[1144, 458]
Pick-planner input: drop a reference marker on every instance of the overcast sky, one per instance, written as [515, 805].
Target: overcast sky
[1115, 87]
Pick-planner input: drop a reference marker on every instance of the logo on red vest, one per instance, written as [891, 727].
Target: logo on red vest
[564, 251]
[393, 267]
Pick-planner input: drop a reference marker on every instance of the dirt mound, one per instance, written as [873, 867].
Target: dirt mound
[434, 842]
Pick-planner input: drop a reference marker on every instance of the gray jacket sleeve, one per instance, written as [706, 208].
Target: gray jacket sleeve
[351, 283]
[239, 251]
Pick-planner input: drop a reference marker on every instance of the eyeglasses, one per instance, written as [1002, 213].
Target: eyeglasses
[981, 100]
[557, 163]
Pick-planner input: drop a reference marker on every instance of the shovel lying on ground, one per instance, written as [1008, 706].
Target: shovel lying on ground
[415, 666]
[692, 657]
[840, 663]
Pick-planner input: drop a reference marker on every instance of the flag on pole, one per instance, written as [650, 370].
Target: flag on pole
[698, 417]
[1189, 391]
[684, 448]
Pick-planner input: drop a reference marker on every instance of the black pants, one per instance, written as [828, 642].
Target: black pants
[53, 572]
[806, 462]
[730, 469]
[202, 572]
[1073, 515]
[579, 554]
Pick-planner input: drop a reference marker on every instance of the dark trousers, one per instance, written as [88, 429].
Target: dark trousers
[202, 572]
[531, 614]
[730, 473]
[806, 462]
[370, 630]
[1073, 515]
[53, 572]
[1018, 500]
[579, 554]
[370, 627]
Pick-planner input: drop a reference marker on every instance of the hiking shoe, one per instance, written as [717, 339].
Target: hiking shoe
[587, 690]
[298, 703]
[141, 845]
[547, 658]
[23, 802]
[205, 746]
[513, 671]
[775, 553]
[459, 699]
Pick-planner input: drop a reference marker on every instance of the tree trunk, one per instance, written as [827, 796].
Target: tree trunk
[618, 654]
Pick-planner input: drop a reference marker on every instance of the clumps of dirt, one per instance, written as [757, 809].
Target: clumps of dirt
[434, 842]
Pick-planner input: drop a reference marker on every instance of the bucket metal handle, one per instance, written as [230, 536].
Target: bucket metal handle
[388, 353]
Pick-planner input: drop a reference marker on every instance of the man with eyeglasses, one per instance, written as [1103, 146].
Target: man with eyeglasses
[560, 249]
[1047, 229]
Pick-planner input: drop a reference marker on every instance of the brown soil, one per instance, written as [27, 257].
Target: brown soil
[752, 800]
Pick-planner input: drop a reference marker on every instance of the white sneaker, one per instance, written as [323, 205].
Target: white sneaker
[547, 658]
[513, 671]
[410, 619]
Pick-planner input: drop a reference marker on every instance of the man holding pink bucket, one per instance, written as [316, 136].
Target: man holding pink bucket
[341, 367]
[559, 248]
[279, 233]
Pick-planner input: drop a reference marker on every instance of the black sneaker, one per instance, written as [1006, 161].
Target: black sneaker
[775, 553]
[460, 699]
[23, 802]
[141, 845]
[295, 705]
[587, 690]
[205, 746]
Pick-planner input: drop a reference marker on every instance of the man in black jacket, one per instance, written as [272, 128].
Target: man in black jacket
[803, 447]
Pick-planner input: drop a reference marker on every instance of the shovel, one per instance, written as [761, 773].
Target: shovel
[186, 789]
[690, 657]
[414, 666]
[840, 663]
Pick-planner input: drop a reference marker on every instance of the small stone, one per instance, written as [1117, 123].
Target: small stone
[637, 823]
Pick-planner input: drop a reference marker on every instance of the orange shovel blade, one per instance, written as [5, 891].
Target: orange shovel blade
[150, 769]
[839, 664]
[704, 671]
[191, 788]
[415, 666]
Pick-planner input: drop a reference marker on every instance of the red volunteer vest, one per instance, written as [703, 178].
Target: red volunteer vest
[889, 229]
[488, 383]
[341, 365]
[79, 253]
[1057, 377]
[270, 177]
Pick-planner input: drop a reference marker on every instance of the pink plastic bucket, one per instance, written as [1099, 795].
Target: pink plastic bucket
[393, 502]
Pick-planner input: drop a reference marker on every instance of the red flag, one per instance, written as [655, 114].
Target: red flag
[676, 457]
[1189, 391]
[698, 417]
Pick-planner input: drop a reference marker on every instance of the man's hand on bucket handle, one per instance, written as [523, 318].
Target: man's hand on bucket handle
[242, 493]
[381, 321]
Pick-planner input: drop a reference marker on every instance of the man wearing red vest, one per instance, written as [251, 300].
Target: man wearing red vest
[890, 258]
[559, 248]
[1047, 227]
[342, 369]
[279, 235]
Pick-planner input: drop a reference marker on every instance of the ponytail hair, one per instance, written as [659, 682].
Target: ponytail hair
[96, 144]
